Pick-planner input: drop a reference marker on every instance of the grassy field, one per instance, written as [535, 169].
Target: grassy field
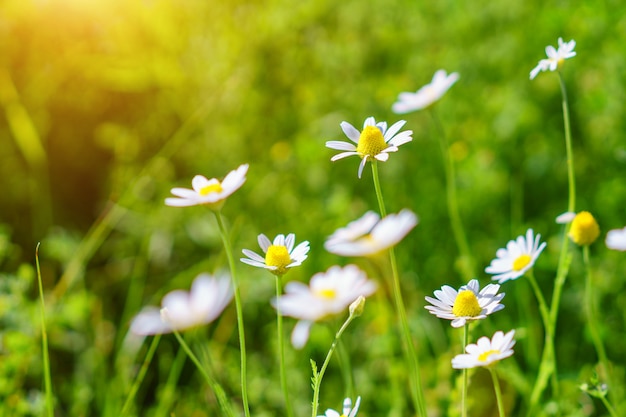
[108, 105]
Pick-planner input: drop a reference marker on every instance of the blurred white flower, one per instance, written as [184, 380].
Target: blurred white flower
[427, 95]
[555, 57]
[279, 255]
[348, 411]
[181, 310]
[210, 192]
[485, 351]
[466, 304]
[518, 257]
[566, 217]
[369, 234]
[328, 293]
[616, 239]
[374, 142]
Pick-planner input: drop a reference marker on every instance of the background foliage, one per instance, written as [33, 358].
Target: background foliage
[109, 104]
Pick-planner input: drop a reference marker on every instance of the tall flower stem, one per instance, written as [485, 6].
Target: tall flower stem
[496, 387]
[281, 349]
[213, 384]
[44, 342]
[592, 319]
[411, 355]
[318, 376]
[141, 374]
[571, 204]
[240, 325]
[465, 373]
[452, 202]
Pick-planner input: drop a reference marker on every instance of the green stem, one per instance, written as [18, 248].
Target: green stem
[608, 406]
[496, 387]
[242, 337]
[166, 399]
[281, 349]
[592, 319]
[568, 148]
[44, 341]
[320, 375]
[141, 374]
[417, 393]
[452, 203]
[213, 384]
[465, 373]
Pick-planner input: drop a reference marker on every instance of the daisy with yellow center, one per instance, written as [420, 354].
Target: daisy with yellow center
[466, 304]
[280, 255]
[348, 410]
[427, 95]
[556, 57]
[486, 351]
[375, 142]
[210, 192]
[518, 257]
[327, 294]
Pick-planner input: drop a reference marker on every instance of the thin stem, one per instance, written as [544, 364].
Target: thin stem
[166, 398]
[44, 341]
[452, 203]
[238, 308]
[496, 387]
[417, 393]
[320, 375]
[465, 373]
[281, 349]
[543, 307]
[213, 384]
[608, 406]
[141, 374]
[592, 319]
[568, 148]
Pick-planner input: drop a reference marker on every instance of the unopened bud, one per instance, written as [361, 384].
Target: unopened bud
[584, 229]
[357, 306]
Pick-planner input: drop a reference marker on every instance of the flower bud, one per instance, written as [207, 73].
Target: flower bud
[357, 306]
[584, 229]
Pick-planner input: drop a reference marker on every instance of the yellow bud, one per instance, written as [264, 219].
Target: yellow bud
[584, 229]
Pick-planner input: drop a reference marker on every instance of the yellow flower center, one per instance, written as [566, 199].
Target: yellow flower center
[213, 188]
[485, 355]
[521, 262]
[466, 304]
[326, 293]
[371, 142]
[277, 256]
[584, 229]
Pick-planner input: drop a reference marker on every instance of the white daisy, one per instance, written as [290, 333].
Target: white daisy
[348, 411]
[466, 304]
[427, 95]
[555, 57]
[328, 293]
[616, 239]
[210, 192]
[374, 142]
[181, 310]
[518, 257]
[279, 255]
[486, 351]
[370, 234]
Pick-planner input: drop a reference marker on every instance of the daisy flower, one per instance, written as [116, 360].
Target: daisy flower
[181, 310]
[616, 239]
[348, 411]
[555, 57]
[427, 95]
[370, 234]
[466, 304]
[280, 255]
[327, 294]
[486, 351]
[373, 143]
[210, 192]
[518, 257]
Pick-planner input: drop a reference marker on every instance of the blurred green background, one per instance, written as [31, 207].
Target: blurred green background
[108, 104]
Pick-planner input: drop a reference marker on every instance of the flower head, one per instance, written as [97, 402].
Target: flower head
[486, 351]
[370, 234]
[466, 304]
[348, 411]
[555, 57]
[373, 143]
[518, 257]
[427, 95]
[280, 255]
[584, 229]
[616, 239]
[210, 192]
[328, 293]
[181, 310]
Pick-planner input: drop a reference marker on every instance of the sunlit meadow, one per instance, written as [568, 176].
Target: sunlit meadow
[337, 209]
